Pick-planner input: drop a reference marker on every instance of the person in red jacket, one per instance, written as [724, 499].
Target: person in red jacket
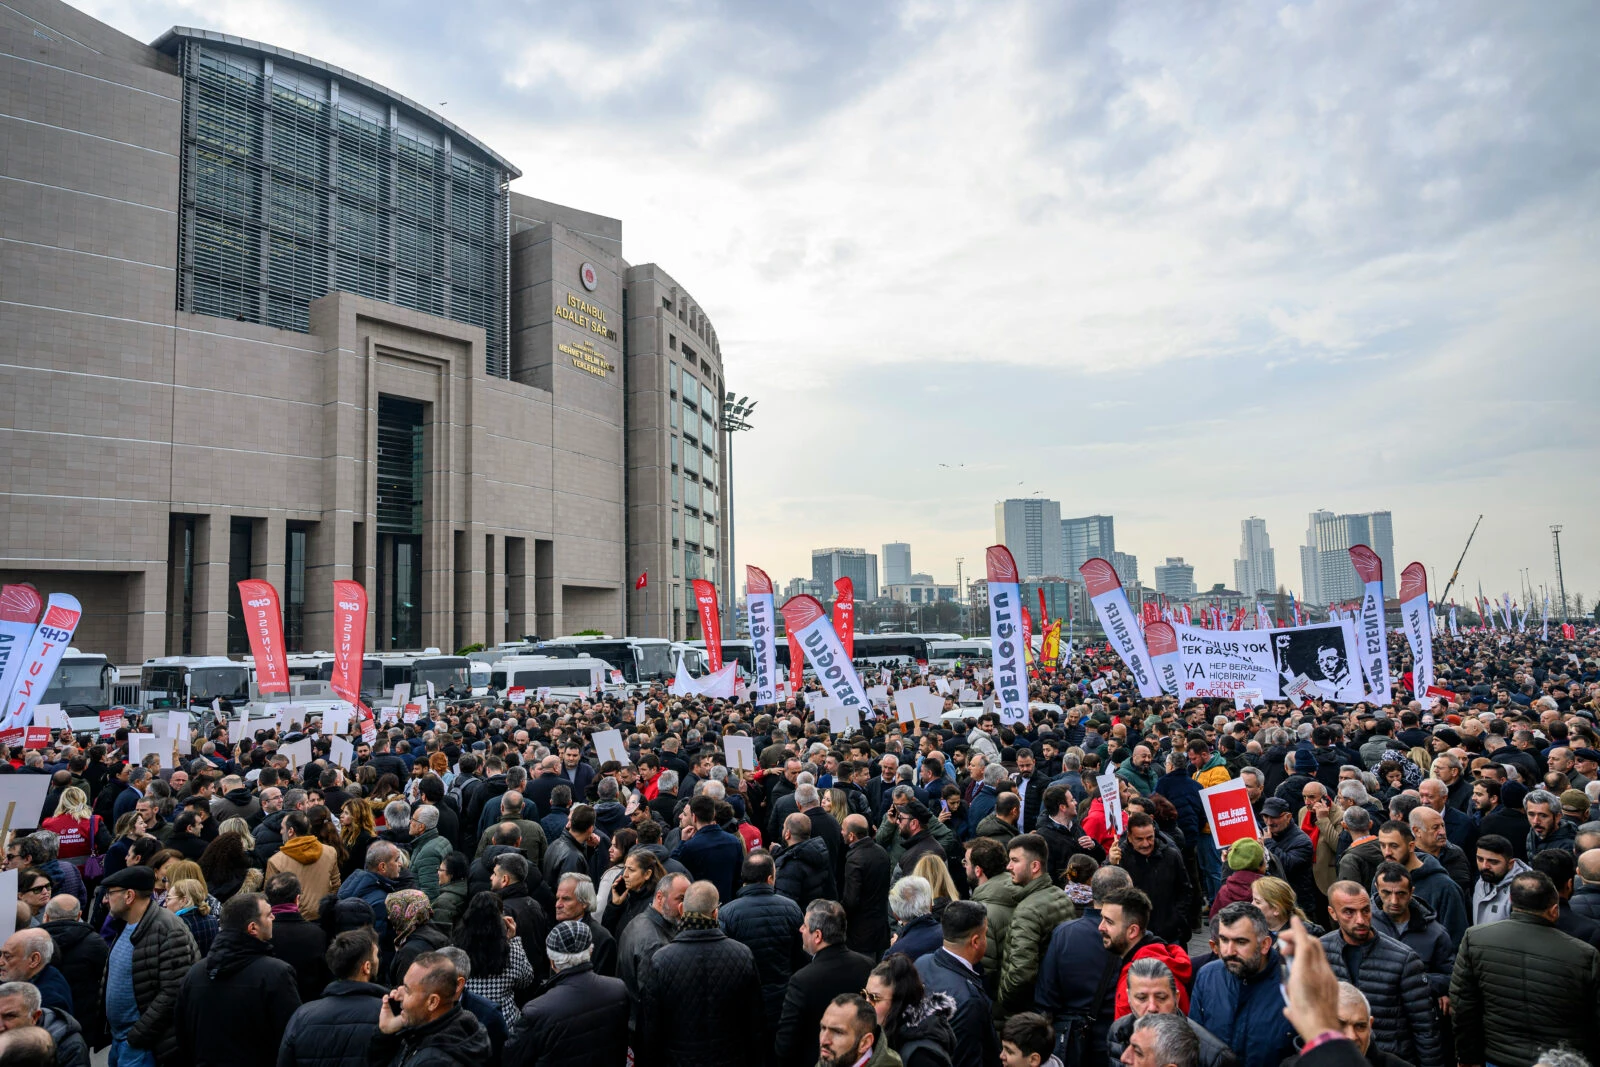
[1124, 916]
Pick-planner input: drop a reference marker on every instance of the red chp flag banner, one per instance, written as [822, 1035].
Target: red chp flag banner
[1007, 636]
[263, 620]
[758, 598]
[844, 615]
[45, 649]
[808, 624]
[705, 598]
[1416, 619]
[797, 664]
[349, 639]
[1162, 640]
[1371, 631]
[1229, 812]
[19, 614]
[1116, 616]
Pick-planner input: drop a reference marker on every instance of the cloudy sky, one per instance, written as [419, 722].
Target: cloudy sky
[1178, 263]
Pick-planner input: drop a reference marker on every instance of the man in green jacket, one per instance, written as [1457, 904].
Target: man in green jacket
[1139, 770]
[428, 849]
[1521, 986]
[1041, 907]
[993, 888]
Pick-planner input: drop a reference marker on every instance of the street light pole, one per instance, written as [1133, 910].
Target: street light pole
[735, 417]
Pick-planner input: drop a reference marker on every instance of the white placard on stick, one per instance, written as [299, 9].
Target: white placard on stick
[942, 684]
[21, 798]
[178, 725]
[299, 753]
[878, 696]
[52, 716]
[336, 722]
[142, 745]
[1111, 800]
[341, 752]
[740, 751]
[608, 746]
[402, 694]
[918, 704]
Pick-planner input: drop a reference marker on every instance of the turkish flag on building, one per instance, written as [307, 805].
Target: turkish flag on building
[643, 580]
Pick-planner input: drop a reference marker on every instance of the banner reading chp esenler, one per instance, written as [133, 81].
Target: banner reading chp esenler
[1374, 635]
[810, 627]
[263, 620]
[1415, 618]
[1005, 634]
[705, 598]
[1116, 618]
[763, 634]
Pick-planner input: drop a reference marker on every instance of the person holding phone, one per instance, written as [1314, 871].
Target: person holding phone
[421, 1021]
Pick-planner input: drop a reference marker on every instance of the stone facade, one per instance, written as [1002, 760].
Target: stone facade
[146, 445]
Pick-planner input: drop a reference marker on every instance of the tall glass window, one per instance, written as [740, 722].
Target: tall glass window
[294, 588]
[291, 190]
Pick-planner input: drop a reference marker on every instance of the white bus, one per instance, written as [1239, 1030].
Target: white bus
[568, 678]
[640, 659]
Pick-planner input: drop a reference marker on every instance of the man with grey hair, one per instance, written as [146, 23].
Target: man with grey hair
[1152, 989]
[1362, 856]
[428, 849]
[397, 824]
[269, 832]
[1427, 830]
[911, 904]
[21, 1010]
[808, 800]
[1460, 828]
[27, 956]
[579, 1016]
[1161, 1041]
[833, 970]
[376, 881]
[1546, 826]
[575, 899]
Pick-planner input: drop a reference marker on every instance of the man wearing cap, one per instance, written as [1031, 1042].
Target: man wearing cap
[1290, 846]
[1575, 808]
[149, 959]
[580, 1017]
[1585, 767]
[913, 818]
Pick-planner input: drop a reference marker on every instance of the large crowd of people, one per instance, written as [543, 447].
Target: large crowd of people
[479, 888]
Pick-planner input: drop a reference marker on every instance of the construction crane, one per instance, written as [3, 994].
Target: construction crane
[1445, 596]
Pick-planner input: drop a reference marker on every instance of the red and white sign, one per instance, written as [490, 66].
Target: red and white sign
[110, 722]
[1416, 620]
[1162, 641]
[263, 620]
[36, 737]
[805, 620]
[589, 277]
[14, 737]
[349, 638]
[517, 694]
[705, 598]
[45, 649]
[844, 615]
[797, 665]
[1229, 812]
[1119, 622]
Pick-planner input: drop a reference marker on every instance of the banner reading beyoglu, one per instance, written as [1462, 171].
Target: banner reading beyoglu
[810, 626]
[763, 635]
[1374, 635]
[1116, 618]
[1005, 631]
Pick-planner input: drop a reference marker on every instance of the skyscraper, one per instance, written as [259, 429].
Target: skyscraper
[1086, 538]
[1175, 579]
[896, 563]
[1325, 568]
[1255, 570]
[1126, 564]
[860, 566]
[1031, 529]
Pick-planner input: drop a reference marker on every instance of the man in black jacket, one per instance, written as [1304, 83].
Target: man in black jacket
[302, 945]
[1058, 825]
[336, 1030]
[953, 969]
[430, 1029]
[805, 869]
[239, 971]
[868, 874]
[80, 955]
[1390, 975]
[1158, 869]
[700, 992]
[510, 883]
[768, 924]
[581, 1018]
[833, 970]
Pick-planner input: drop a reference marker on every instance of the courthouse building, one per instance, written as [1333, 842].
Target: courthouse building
[262, 317]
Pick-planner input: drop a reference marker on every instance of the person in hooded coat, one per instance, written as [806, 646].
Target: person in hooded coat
[240, 981]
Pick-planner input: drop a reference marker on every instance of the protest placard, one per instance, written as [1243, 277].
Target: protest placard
[8, 903]
[110, 722]
[51, 715]
[299, 753]
[517, 694]
[740, 752]
[142, 745]
[21, 798]
[1229, 813]
[918, 704]
[341, 752]
[37, 737]
[1111, 801]
[608, 746]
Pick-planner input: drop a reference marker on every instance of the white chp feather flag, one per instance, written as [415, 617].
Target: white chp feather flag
[19, 614]
[1116, 617]
[1374, 636]
[1162, 640]
[1414, 619]
[1005, 633]
[763, 635]
[805, 619]
[45, 649]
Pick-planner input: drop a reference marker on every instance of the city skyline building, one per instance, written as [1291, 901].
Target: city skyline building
[1175, 579]
[1126, 564]
[1326, 573]
[828, 565]
[896, 563]
[1031, 529]
[1255, 571]
[1085, 538]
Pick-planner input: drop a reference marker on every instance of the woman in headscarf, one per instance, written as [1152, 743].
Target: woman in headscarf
[411, 923]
